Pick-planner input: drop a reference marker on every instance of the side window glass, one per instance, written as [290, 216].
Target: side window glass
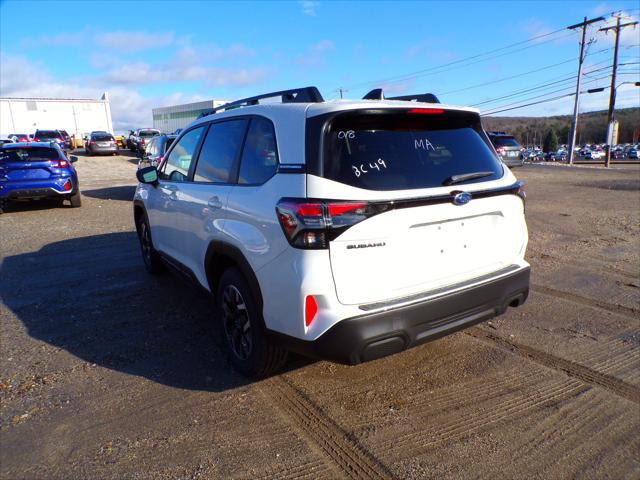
[259, 157]
[176, 168]
[219, 151]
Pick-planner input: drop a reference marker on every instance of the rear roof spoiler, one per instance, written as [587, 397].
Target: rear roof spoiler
[378, 94]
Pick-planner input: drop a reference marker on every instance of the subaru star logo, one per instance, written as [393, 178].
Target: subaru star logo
[461, 198]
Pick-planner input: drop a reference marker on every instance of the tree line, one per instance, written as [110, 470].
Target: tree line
[592, 127]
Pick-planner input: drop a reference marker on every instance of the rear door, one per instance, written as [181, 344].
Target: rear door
[204, 198]
[407, 165]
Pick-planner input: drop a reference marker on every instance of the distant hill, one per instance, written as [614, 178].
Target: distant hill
[592, 126]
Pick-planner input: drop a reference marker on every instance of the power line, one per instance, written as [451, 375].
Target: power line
[548, 83]
[546, 67]
[529, 104]
[518, 105]
[407, 76]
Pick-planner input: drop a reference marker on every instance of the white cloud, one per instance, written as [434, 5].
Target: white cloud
[59, 40]
[133, 41]
[309, 7]
[129, 108]
[315, 54]
[144, 74]
[628, 35]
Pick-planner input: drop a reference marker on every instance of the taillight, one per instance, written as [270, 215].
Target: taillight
[312, 224]
[92, 142]
[36, 139]
[310, 310]
[59, 164]
[142, 141]
[500, 150]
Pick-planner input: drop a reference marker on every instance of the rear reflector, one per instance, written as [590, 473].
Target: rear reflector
[67, 185]
[310, 310]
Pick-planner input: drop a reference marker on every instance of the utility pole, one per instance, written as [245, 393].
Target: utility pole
[574, 125]
[612, 94]
[341, 90]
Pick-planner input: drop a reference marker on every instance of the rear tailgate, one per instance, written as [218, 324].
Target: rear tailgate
[28, 163]
[409, 165]
[412, 250]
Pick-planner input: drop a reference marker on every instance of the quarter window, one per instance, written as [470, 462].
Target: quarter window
[259, 157]
[176, 168]
[219, 151]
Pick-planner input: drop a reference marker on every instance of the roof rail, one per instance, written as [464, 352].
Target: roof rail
[295, 95]
[378, 94]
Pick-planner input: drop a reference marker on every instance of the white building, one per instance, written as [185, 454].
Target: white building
[168, 119]
[76, 116]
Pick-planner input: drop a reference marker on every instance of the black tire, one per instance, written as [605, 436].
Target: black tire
[76, 200]
[150, 257]
[250, 352]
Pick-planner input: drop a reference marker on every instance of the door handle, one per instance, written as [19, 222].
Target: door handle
[214, 203]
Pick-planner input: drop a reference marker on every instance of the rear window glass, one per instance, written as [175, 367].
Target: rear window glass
[47, 134]
[399, 151]
[103, 138]
[149, 133]
[28, 154]
[505, 142]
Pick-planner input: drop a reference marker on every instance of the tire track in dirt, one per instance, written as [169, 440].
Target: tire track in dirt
[348, 456]
[575, 370]
[416, 442]
[589, 302]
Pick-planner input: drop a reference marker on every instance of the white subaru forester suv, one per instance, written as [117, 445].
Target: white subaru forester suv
[342, 230]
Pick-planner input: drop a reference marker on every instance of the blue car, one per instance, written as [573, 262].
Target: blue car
[36, 170]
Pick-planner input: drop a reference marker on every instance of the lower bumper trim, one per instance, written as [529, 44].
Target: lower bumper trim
[374, 335]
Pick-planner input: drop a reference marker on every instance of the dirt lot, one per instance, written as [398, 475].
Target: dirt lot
[107, 372]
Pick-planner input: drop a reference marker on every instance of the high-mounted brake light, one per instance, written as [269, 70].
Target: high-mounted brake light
[313, 224]
[310, 310]
[426, 111]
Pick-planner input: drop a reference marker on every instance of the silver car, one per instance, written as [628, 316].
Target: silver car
[101, 144]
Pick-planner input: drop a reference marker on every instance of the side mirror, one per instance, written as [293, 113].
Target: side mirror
[148, 175]
[73, 158]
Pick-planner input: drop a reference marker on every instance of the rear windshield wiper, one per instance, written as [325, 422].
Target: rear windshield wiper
[453, 179]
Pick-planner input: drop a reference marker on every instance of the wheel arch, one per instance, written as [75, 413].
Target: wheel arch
[138, 211]
[222, 255]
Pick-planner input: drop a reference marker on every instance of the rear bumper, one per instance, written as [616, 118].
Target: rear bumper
[103, 149]
[370, 336]
[513, 162]
[15, 191]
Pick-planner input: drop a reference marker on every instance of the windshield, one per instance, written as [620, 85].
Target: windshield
[505, 142]
[28, 154]
[398, 151]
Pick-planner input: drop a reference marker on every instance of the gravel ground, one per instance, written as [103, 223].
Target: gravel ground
[107, 372]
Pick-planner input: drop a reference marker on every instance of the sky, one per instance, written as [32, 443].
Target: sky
[492, 55]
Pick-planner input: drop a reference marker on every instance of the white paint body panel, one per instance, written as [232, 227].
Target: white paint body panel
[425, 248]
